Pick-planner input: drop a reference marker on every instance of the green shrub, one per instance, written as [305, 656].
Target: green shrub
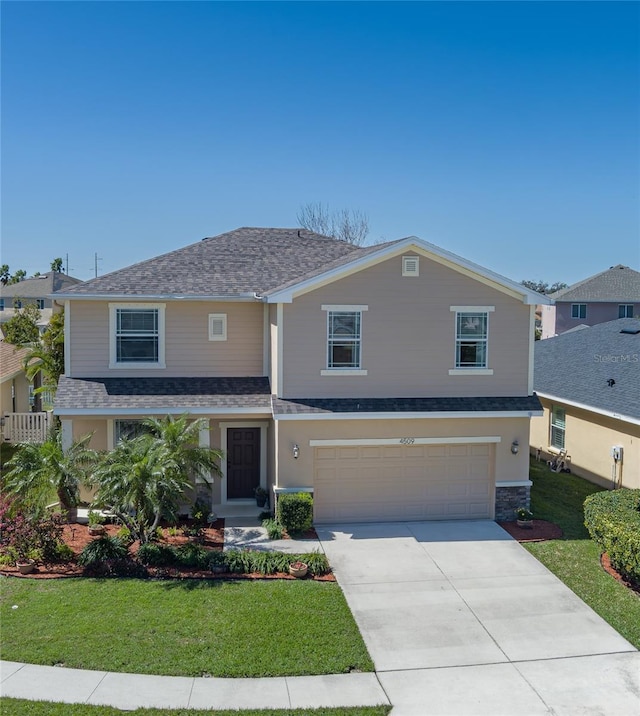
[101, 550]
[117, 568]
[156, 555]
[124, 535]
[274, 529]
[217, 559]
[613, 521]
[200, 511]
[192, 555]
[316, 561]
[295, 511]
[239, 561]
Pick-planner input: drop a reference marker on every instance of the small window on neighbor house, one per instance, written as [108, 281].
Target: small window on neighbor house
[625, 310]
[1, 304]
[410, 265]
[217, 326]
[40, 303]
[17, 303]
[557, 427]
[578, 310]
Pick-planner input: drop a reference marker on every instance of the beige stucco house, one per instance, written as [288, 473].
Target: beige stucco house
[589, 384]
[393, 381]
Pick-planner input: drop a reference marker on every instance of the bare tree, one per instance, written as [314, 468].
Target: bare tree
[348, 225]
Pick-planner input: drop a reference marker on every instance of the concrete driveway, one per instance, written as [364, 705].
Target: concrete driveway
[460, 619]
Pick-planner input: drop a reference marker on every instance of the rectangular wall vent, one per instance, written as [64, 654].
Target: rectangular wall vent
[410, 265]
[217, 326]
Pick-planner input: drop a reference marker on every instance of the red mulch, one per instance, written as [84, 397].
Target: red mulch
[606, 565]
[540, 531]
[77, 536]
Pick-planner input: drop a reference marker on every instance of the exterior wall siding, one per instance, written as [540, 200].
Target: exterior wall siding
[188, 350]
[589, 438]
[597, 312]
[299, 472]
[408, 336]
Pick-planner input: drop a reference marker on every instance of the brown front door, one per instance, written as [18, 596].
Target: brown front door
[243, 462]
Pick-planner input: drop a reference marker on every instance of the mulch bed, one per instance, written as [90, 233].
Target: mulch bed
[540, 531]
[606, 565]
[77, 536]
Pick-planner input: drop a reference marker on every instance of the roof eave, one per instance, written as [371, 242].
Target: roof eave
[590, 408]
[241, 297]
[431, 251]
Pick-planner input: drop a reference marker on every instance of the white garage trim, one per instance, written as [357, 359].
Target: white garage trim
[514, 483]
[404, 441]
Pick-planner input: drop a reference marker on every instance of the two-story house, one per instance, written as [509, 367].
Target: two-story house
[607, 296]
[394, 381]
[36, 290]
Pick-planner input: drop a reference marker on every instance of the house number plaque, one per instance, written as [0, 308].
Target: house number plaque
[407, 441]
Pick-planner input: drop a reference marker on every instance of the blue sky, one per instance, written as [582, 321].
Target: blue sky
[506, 132]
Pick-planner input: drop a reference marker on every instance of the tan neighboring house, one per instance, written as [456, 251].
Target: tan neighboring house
[36, 290]
[611, 294]
[589, 383]
[19, 421]
[395, 381]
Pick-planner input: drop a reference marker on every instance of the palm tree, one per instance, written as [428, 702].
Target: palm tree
[143, 479]
[37, 470]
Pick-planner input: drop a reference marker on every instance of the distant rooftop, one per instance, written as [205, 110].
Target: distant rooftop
[38, 286]
[579, 365]
[618, 284]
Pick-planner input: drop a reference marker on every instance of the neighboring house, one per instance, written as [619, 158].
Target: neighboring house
[589, 384]
[612, 294]
[394, 381]
[35, 290]
[17, 401]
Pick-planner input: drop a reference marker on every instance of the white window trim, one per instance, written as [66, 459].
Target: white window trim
[470, 370]
[552, 426]
[409, 261]
[341, 308]
[218, 317]
[113, 363]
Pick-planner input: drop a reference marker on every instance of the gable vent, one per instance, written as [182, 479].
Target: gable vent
[217, 326]
[410, 265]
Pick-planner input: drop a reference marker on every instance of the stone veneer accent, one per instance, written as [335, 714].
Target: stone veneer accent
[508, 499]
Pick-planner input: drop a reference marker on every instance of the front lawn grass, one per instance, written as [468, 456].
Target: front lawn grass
[20, 707]
[575, 559]
[182, 628]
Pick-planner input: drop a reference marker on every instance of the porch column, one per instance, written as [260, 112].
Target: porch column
[67, 434]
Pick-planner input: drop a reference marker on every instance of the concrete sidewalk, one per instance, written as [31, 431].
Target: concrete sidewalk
[132, 691]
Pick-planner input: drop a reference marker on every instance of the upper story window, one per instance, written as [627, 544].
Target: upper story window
[625, 310]
[136, 335]
[578, 310]
[472, 340]
[344, 340]
[558, 427]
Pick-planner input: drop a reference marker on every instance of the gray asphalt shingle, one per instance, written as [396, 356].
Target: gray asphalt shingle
[238, 263]
[149, 393]
[300, 406]
[618, 284]
[577, 366]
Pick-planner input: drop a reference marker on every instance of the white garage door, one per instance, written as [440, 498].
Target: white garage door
[394, 482]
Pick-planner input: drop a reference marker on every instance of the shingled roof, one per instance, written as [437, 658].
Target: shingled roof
[618, 284]
[39, 286]
[11, 360]
[578, 367]
[242, 262]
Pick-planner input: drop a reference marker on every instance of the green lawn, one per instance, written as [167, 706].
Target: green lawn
[20, 707]
[559, 498]
[182, 628]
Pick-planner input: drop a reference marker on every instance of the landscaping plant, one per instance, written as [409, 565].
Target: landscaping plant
[295, 511]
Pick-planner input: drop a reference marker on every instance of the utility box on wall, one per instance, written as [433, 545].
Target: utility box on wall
[616, 453]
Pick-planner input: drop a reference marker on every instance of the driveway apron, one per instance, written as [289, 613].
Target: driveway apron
[460, 619]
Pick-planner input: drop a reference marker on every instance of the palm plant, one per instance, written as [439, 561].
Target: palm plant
[143, 479]
[37, 470]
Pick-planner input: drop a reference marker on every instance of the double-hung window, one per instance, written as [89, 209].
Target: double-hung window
[128, 429]
[136, 335]
[344, 339]
[625, 310]
[472, 337]
[578, 310]
[558, 427]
